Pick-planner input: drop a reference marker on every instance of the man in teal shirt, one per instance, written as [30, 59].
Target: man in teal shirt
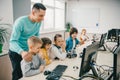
[23, 28]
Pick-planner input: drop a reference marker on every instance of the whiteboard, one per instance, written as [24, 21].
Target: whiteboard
[85, 17]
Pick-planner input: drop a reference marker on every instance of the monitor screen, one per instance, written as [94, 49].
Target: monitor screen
[113, 34]
[116, 64]
[88, 57]
[119, 40]
[102, 40]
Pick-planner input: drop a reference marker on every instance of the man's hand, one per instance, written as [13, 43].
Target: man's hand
[42, 67]
[26, 56]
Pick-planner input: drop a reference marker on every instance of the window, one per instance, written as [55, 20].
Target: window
[48, 2]
[49, 19]
[60, 4]
[59, 19]
[55, 14]
[35, 1]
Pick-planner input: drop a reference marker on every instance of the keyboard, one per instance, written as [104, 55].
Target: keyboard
[57, 72]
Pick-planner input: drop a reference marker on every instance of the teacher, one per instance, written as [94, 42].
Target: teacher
[23, 28]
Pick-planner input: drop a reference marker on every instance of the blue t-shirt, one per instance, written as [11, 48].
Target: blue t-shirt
[23, 28]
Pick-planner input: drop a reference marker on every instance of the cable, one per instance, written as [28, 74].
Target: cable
[84, 76]
[63, 78]
[70, 77]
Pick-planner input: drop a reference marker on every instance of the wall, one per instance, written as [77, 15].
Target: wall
[21, 8]
[109, 15]
[6, 11]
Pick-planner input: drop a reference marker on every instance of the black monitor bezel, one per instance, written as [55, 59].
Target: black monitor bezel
[85, 67]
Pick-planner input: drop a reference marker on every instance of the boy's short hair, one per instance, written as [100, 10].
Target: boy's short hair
[73, 30]
[83, 30]
[56, 36]
[34, 40]
[45, 41]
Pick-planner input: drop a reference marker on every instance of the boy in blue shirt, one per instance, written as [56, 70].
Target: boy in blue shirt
[72, 41]
[23, 28]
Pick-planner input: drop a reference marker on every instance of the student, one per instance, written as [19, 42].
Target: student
[37, 64]
[83, 36]
[23, 28]
[72, 41]
[45, 48]
[57, 50]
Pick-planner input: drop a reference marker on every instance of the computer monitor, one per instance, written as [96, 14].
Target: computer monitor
[113, 34]
[118, 44]
[87, 57]
[116, 64]
[118, 41]
[102, 40]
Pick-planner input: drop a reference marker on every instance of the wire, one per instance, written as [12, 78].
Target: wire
[70, 77]
[63, 78]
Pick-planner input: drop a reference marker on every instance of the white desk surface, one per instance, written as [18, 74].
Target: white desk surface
[69, 62]
[69, 71]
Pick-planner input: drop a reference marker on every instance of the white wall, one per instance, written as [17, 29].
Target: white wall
[12, 9]
[21, 8]
[109, 13]
[6, 11]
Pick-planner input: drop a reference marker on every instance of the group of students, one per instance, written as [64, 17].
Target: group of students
[42, 52]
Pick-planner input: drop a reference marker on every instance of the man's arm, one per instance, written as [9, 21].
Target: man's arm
[17, 29]
[16, 33]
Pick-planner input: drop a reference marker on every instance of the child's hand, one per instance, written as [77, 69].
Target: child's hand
[51, 60]
[42, 67]
[63, 46]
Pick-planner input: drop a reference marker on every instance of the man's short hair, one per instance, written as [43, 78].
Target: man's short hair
[39, 6]
[34, 40]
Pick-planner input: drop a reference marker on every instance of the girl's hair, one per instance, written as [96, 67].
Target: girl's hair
[56, 36]
[45, 41]
[73, 30]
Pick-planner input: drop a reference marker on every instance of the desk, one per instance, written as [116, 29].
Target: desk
[74, 62]
[107, 59]
[80, 48]
[69, 71]
[69, 62]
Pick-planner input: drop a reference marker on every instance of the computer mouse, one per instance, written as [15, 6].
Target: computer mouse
[74, 55]
[68, 55]
[47, 72]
